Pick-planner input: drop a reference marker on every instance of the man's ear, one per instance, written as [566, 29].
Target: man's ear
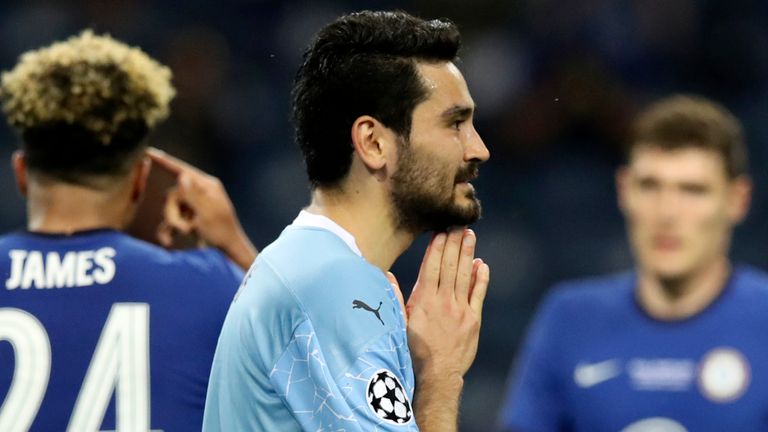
[740, 198]
[373, 142]
[19, 165]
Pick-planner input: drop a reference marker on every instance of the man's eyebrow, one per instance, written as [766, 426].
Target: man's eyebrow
[458, 111]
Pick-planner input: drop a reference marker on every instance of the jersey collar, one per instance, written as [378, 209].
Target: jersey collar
[307, 219]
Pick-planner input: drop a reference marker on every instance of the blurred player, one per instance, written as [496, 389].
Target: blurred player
[678, 344]
[103, 331]
[316, 339]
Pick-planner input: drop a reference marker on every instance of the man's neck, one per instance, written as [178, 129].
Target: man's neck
[369, 219]
[681, 298]
[65, 208]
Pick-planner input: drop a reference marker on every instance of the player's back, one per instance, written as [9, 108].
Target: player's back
[107, 332]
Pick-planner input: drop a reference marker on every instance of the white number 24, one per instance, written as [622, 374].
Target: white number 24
[120, 364]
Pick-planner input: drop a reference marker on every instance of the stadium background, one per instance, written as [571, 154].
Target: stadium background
[556, 84]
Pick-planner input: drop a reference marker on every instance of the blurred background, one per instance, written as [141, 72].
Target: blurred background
[556, 83]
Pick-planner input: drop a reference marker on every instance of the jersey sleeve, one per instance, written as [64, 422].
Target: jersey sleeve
[534, 398]
[208, 282]
[373, 395]
[213, 262]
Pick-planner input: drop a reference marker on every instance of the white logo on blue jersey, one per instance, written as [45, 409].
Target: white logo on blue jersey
[588, 375]
[662, 374]
[724, 375]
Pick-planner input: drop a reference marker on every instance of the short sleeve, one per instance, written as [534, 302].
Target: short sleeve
[373, 395]
[212, 261]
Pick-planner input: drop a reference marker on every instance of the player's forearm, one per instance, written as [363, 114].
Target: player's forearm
[436, 402]
[240, 250]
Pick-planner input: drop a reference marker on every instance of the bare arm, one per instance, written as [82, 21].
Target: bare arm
[444, 314]
[200, 204]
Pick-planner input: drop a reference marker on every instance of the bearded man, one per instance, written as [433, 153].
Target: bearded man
[318, 337]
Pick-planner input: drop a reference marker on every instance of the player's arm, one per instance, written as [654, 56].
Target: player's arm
[444, 313]
[534, 399]
[200, 204]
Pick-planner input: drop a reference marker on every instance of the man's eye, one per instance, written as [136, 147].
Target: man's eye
[695, 189]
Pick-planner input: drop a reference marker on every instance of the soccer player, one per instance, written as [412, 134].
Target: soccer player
[316, 338]
[103, 331]
[677, 344]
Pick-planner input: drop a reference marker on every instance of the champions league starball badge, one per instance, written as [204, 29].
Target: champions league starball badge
[387, 398]
[724, 375]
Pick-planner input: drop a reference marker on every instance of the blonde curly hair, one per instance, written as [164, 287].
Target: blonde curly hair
[90, 80]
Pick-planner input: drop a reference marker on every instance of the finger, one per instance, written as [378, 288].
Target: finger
[194, 191]
[185, 185]
[480, 289]
[173, 216]
[164, 234]
[450, 261]
[398, 293]
[429, 276]
[169, 163]
[465, 266]
[200, 190]
[187, 176]
[475, 265]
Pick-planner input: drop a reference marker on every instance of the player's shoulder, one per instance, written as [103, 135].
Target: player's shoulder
[61, 243]
[593, 287]
[311, 245]
[205, 261]
[313, 263]
[196, 262]
[315, 272]
[750, 283]
[21, 239]
[10, 237]
[747, 275]
[197, 265]
[127, 251]
[593, 293]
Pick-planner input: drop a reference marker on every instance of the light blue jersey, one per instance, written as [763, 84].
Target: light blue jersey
[315, 340]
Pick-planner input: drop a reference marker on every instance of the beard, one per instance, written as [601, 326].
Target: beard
[423, 193]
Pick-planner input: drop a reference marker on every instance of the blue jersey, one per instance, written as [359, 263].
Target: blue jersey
[100, 331]
[315, 340]
[594, 361]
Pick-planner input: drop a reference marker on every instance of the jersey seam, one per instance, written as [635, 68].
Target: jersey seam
[296, 299]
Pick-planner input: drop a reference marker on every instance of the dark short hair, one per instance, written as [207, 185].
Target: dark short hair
[683, 121]
[84, 106]
[363, 63]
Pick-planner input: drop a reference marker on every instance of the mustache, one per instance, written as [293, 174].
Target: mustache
[468, 173]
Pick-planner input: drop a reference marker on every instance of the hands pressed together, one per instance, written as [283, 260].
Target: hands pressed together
[443, 316]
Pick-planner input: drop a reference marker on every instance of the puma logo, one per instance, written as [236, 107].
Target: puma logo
[359, 304]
